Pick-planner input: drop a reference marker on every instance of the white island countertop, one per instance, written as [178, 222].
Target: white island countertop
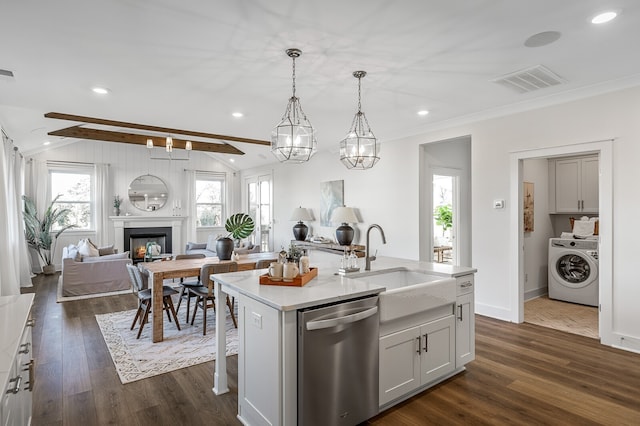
[328, 287]
[14, 313]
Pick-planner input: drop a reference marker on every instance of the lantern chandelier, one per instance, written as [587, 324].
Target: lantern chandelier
[360, 148]
[294, 138]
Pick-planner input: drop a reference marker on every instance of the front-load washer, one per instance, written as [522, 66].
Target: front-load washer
[573, 270]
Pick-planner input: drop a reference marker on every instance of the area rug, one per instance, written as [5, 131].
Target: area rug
[137, 359]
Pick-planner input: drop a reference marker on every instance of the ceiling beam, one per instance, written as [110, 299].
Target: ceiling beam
[138, 139]
[170, 131]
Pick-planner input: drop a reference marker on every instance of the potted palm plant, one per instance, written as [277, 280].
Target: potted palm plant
[443, 216]
[39, 232]
[239, 225]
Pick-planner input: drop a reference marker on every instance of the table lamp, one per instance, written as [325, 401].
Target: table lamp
[300, 230]
[344, 233]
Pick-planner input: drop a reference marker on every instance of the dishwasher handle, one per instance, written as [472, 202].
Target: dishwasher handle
[347, 319]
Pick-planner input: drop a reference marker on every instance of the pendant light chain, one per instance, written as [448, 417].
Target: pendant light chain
[359, 94]
[293, 77]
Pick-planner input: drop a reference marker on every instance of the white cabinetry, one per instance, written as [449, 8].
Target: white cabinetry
[465, 321]
[16, 364]
[574, 185]
[259, 363]
[415, 357]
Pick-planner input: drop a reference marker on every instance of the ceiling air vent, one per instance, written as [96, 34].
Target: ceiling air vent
[530, 79]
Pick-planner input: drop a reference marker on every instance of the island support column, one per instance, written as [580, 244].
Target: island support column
[220, 370]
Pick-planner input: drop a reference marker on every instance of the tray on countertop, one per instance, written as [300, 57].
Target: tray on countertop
[298, 281]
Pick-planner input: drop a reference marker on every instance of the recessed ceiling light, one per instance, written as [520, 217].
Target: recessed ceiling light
[604, 17]
[100, 90]
[423, 112]
[232, 160]
[46, 143]
[237, 114]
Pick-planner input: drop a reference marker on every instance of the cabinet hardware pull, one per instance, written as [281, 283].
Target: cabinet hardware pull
[24, 348]
[460, 312]
[426, 342]
[419, 348]
[31, 322]
[16, 387]
[30, 367]
[466, 284]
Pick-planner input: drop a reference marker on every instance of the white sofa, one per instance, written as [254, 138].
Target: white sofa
[209, 248]
[83, 275]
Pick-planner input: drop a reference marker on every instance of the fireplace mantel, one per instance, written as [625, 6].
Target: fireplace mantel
[122, 222]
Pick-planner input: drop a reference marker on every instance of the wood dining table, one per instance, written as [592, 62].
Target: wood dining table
[184, 268]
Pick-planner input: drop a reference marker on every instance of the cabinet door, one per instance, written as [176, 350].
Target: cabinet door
[589, 187]
[399, 364]
[259, 363]
[568, 186]
[465, 325]
[438, 349]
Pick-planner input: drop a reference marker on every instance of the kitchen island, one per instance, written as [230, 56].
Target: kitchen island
[268, 330]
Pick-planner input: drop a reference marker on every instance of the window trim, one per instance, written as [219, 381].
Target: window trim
[75, 168]
[224, 202]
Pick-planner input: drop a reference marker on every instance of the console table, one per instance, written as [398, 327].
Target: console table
[439, 251]
[330, 247]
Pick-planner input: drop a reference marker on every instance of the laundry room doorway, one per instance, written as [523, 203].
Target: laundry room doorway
[517, 234]
[542, 269]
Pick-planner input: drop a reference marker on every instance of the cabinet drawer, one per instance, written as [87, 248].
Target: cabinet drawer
[464, 284]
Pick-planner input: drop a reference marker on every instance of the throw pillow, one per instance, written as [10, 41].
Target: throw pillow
[86, 249]
[73, 253]
[103, 251]
[114, 256]
[211, 242]
[194, 246]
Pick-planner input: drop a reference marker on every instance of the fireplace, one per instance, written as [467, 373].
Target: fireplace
[136, 239]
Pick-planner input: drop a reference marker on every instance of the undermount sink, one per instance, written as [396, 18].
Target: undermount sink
[409, 292]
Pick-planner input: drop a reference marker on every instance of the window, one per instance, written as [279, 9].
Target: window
[74, 185]
[210, 195]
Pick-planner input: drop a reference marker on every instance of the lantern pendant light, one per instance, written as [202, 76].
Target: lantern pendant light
[359, 149]
[293, 140]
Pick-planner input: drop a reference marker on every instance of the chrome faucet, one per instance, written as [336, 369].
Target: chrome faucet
[368, 258]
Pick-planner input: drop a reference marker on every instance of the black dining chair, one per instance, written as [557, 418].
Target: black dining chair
[185, 285]
[204, 295]
[144, 299]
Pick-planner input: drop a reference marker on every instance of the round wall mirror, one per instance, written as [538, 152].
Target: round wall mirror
[148, 193]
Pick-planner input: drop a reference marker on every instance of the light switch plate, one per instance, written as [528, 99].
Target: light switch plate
[256, 319]
[498, 204]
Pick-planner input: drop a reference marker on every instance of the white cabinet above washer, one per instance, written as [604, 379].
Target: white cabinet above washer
[573, 184]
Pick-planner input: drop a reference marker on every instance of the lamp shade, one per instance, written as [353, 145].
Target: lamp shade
[300, 214]
[343, 215]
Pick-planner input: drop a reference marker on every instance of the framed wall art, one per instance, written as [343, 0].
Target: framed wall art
[528, 207]
[331, 196]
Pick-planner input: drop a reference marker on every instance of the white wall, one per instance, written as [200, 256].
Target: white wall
[388, 194]
[130, 161]
[536, 253]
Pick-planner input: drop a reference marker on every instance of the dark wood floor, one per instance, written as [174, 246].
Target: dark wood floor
[523, 374]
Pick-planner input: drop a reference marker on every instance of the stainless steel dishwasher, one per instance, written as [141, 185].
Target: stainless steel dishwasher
[338, 363]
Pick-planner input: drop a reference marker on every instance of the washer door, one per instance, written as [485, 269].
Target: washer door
[574, 269]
